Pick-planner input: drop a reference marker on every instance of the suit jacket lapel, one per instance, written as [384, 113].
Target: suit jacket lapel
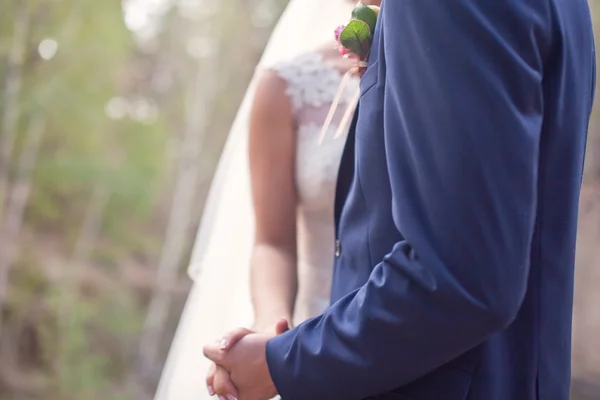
[346, 171]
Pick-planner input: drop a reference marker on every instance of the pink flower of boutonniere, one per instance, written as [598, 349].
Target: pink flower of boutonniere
[338, 31]
[354, 41]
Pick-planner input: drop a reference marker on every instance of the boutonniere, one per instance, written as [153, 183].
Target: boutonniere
[354, 42]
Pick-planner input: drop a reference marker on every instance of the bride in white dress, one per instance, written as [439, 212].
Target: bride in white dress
[266, 244]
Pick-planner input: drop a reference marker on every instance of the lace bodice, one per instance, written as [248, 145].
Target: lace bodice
[312, 84]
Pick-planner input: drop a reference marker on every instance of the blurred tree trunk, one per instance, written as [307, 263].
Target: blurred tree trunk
[10, 226]
[71, 320]
[90, 228]
[14, 198]
[198, 108]
[12, 88]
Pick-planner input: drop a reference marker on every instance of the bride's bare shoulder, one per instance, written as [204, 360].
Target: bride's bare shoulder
[271, 102]
[271, 87]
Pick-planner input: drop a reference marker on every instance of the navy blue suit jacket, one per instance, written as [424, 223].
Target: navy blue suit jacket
[457, 210]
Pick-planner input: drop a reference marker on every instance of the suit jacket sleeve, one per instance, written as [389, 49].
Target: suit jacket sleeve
[463, 109]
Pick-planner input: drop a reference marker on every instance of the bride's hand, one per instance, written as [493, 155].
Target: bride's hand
[219, 383]
[218, 380]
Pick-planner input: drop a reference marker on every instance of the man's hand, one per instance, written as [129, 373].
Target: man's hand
[247, 367]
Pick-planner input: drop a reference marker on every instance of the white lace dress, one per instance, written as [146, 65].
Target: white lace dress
[312, 84]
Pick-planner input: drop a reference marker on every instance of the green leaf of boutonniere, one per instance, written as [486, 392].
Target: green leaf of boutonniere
[356, 37]
[366, 14]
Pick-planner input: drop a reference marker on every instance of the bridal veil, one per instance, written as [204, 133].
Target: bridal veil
[220, 263]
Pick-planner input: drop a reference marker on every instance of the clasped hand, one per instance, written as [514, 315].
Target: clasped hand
[240, 370]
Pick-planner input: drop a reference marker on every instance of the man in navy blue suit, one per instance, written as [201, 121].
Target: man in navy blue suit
[456, 214]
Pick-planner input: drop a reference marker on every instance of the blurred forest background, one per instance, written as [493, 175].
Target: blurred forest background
[112, 118]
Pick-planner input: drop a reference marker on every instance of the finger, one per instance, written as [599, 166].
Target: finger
[282, 325]
[210, 379]
[214, 353]
[223, 385]
[232, 337]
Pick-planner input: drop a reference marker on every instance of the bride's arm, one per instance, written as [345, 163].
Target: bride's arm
[272, 155]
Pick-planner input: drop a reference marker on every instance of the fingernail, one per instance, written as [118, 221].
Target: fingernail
[211, 391]
[222, 397]
[230, 397]
[224, 344]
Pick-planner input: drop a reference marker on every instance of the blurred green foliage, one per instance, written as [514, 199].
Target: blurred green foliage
[82, 342]
[114, 106]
